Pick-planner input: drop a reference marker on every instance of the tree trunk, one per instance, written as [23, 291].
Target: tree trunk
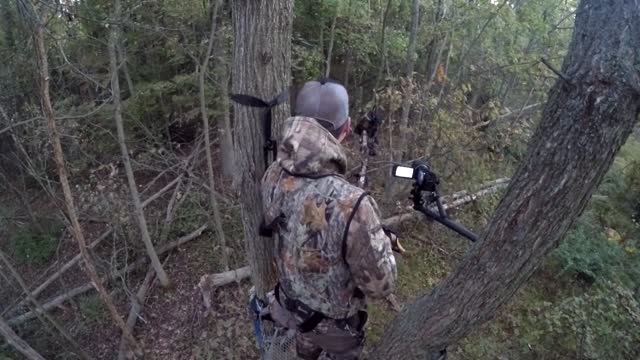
[14, 340]
[72, 216]
[117, 114]
[262, 68]
[225, 130]
[349, 45]
[382, 49]
[332, 37]
[583, 126]
[215, 209]
[411, 59]
[122, 56]
[474, 42]
[228, 159]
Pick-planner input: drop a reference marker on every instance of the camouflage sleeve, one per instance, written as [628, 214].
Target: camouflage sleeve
[271, 197]
[369, 252]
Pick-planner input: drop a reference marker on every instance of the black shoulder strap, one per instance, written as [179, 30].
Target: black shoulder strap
[346, 229]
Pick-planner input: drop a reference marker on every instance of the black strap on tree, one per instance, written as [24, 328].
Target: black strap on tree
[270, 144]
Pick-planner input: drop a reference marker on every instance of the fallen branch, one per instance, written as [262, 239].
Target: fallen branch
[161, 191]
[451, 202]
[211, 281]
[58, 273]
[57, 301]
[12, 310]
[14, 340]
[136, 306]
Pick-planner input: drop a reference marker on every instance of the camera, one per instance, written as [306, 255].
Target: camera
[425, 178]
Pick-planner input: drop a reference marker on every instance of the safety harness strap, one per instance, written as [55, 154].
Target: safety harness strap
[346, 229]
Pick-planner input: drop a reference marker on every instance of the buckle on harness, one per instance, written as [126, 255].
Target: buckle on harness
[301, 309]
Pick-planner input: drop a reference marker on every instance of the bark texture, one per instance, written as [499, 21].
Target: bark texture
[262, 68]
[584, 124]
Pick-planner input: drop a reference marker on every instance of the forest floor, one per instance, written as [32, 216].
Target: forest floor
[175, 325]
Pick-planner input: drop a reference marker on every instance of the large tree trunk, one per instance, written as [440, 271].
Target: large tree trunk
[215, 209]
[584, 124]
[14, 340]
[72, 216]
[262, 68]
[133, 187]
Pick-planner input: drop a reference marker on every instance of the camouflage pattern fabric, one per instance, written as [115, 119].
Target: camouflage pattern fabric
[308, 203]
[330, 339]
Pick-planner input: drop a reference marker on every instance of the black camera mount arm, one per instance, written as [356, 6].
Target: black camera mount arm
[441, 216]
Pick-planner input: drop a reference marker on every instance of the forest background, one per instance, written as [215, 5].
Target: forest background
[458, 82]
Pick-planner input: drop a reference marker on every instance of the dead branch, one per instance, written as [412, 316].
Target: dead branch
[78, 257]
[211, 281]
[42, 313]
[136, 307]
[58, 273]
[57, 301]
[14, 340]
[161, 191]
[448, 203]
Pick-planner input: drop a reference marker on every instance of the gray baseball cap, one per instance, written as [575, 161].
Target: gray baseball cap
[327, 102]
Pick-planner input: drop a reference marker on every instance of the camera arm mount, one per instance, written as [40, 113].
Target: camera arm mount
[441, 216]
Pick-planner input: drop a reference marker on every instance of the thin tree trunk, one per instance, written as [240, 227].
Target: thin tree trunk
[14, 340]
[584, 124]
[122, 56]
[133, 187]
[332, 37]
[225, 130]
[411, 59]
[76, 229]
[215, 216]
[41, 311]
[474, 42]
[262, 68]
[383, 43]
[446, 71]
[436, 64]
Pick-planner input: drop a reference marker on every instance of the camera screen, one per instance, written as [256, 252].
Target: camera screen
[403, 172]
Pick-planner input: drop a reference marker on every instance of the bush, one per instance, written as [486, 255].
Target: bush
[35, 244]
[602, 323]
[603, 244]
[92, 308]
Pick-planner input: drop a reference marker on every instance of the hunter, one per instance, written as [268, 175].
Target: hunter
[331, 250]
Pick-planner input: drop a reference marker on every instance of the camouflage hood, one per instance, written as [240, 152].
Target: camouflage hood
[308, 149]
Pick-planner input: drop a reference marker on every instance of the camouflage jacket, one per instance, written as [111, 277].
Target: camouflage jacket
[308, 203]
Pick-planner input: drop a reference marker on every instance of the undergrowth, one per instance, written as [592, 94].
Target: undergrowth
[36, 243]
